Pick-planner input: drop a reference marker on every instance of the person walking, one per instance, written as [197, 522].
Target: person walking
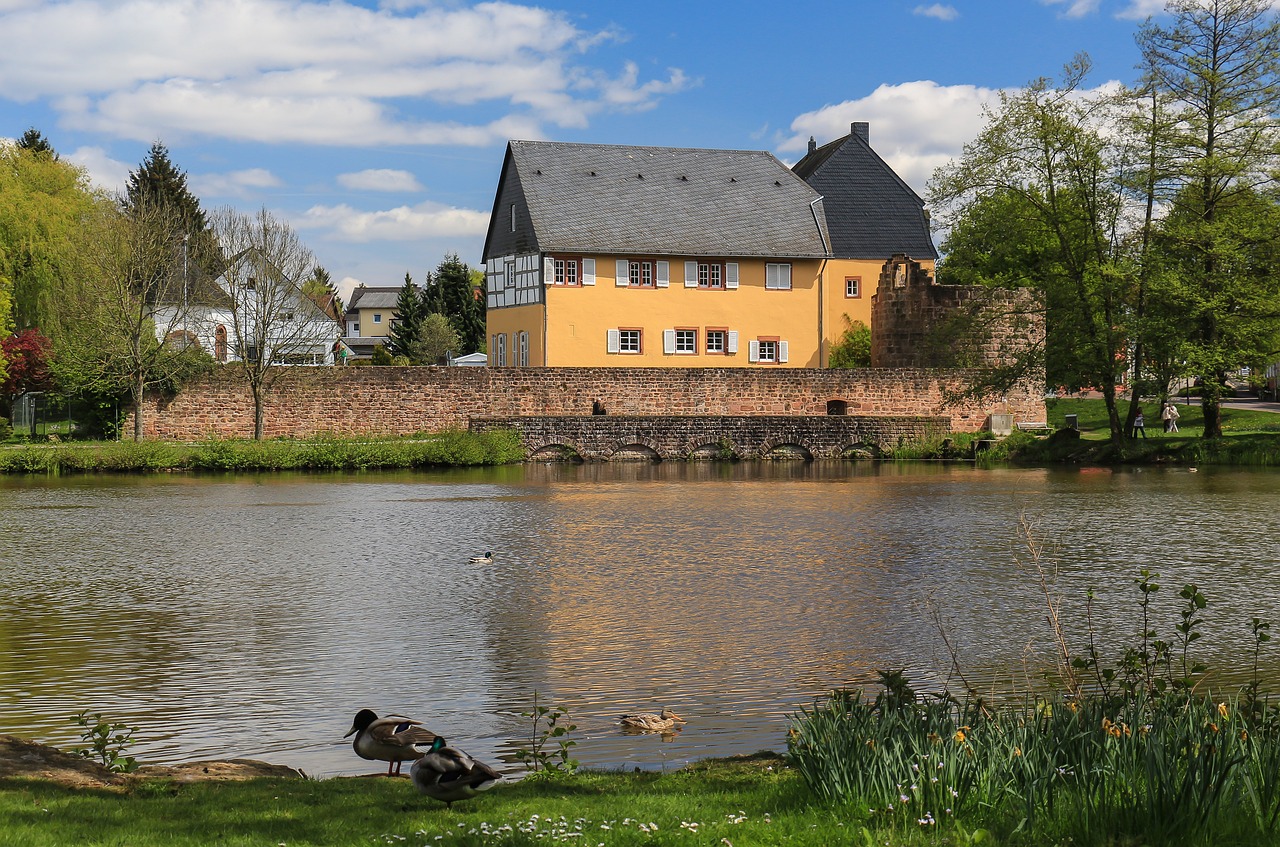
[1170, 417]
[1139, 426]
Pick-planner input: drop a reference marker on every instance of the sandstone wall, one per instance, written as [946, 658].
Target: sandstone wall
[401, 401]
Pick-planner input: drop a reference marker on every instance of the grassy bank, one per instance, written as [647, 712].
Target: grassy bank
[444, 449]
[1250, 438]
[741, 802]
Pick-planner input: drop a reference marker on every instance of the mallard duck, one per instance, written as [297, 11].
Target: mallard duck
[666, 719]
[394, 739]
[486, 559]
[448, 774]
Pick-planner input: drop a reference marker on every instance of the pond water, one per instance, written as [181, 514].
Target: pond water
[252, 616]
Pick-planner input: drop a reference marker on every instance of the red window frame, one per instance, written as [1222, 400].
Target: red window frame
[565, 267]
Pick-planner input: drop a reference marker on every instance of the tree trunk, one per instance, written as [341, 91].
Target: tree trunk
[139, 387]
[257, 411]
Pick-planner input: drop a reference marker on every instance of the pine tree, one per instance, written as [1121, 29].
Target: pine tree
[158, 182]
[34, 141]
[459, 304]
[407, 328]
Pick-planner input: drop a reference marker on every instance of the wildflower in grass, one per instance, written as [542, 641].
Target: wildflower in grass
[959, 736]
[1213, 727]
[1244, 736]
[1222, 709]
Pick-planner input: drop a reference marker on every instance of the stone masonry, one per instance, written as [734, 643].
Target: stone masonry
[724, 437]
[402, 401]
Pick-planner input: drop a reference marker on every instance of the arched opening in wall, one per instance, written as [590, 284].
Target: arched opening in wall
[555, 453]
[717, 451]
[837, 407]
[635, 453]
[860, 452]
[181, 339]
[788, 453]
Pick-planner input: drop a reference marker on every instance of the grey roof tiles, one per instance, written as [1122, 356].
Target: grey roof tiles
[600, 198]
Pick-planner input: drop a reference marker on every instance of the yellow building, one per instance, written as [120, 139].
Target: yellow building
[606, 255]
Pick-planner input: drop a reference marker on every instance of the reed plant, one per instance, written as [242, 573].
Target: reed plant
[1121, 744]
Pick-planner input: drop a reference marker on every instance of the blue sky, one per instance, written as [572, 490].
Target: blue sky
[377, 129]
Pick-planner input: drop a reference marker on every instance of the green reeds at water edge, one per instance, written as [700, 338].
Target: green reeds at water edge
[442, 449]
[1173, 768]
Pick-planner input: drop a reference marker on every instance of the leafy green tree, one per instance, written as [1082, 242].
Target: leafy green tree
[853, 350]
[407, 329]
[436, 340]
[1218, 63]
[43, 202]
[1042, 153]
[111, 332]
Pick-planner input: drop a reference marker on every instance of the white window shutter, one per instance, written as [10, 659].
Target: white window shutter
[623, 276]
[548, 270]
[784, 276]
[753, 351]
[731, 275]
[613, 341]
[664, 274]
[668, 341]
[782, 351]
[731, 344]
[588, 271]
[690, 274]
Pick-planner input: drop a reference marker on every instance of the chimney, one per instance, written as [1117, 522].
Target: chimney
[813, 145]
[862, 129]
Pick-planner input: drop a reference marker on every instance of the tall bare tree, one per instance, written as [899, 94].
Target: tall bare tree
[274, 324]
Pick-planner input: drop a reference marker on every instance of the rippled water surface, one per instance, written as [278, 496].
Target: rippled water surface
[253, 616]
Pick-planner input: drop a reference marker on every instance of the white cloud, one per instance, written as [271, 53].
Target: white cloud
[1077, 8]
[915, 126]
[403, 223]
[1141, 9]
[380, 179]
[938, 10]
[306, 71]
[233, 184]
[103, 171]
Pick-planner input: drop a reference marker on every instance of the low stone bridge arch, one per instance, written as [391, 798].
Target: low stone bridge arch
[657, 438]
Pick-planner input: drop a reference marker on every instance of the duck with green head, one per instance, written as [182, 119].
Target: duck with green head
[448, 774]
[393, 739]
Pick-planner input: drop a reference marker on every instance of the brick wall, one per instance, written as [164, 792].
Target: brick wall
[917, 323]
[399, 401]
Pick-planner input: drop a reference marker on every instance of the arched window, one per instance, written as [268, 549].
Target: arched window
[837, 407]
[220, 343]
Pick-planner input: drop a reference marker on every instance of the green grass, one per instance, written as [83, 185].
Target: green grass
[1250, 438]
[443, 449]
[751, 801]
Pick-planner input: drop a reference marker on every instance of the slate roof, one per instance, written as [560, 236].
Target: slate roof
[374, 298]
[613, 199]
[871, 212]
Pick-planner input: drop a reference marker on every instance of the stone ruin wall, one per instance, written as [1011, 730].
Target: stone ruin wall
[911, 315]
[402, 401]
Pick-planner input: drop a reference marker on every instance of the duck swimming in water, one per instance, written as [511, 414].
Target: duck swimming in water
[649, 722]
